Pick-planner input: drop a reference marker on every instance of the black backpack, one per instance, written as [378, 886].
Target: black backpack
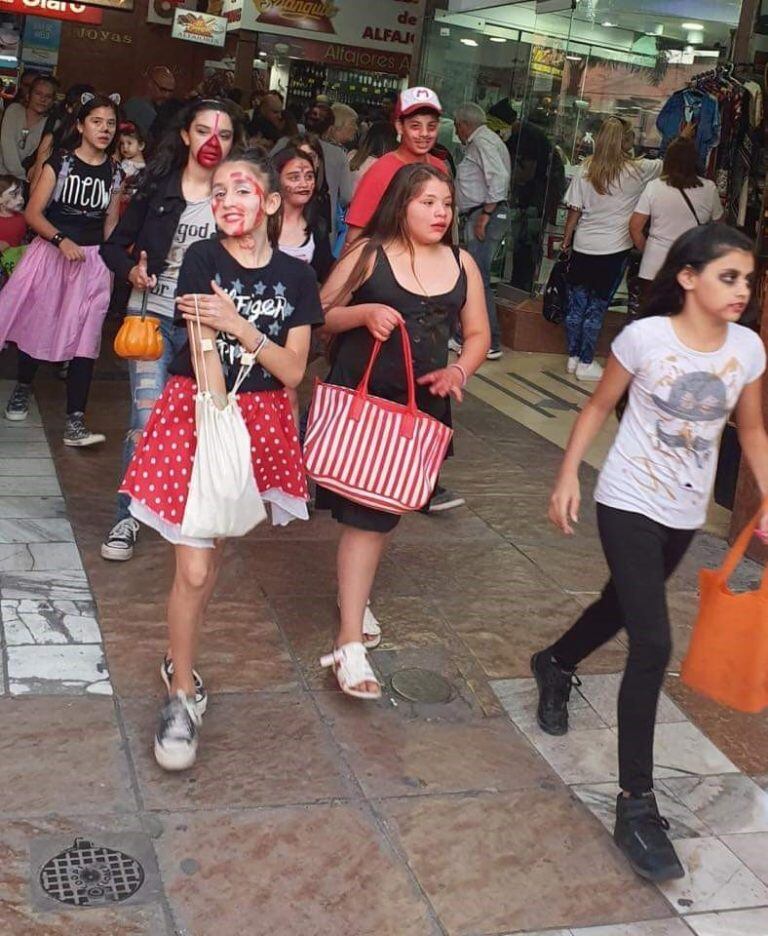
[556, 292]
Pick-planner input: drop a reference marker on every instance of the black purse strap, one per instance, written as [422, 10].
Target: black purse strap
[690, 205]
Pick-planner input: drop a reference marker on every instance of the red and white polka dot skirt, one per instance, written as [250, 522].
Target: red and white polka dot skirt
[158, 476]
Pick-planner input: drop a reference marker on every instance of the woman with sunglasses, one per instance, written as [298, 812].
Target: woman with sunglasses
[601, 199]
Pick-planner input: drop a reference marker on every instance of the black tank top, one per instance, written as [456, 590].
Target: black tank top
[430, 321]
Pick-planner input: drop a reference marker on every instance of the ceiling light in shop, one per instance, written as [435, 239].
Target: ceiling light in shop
[573, 58]
[697, 27]
[468, 42]
[497, 39]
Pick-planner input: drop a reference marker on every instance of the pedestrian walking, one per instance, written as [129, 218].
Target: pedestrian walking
[601, 198]
[687, 366]
[54, 305]
[170, 211]
[379, 139]
[401, 269]
[673, 204]
[482, 188]
[247, 297]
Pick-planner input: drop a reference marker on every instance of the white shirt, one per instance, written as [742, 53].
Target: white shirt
[484, 174]
[305, 251]
[671, 217]
[603, 227]
[663, 460]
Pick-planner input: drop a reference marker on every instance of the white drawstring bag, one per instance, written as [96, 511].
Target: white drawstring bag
[223, 498]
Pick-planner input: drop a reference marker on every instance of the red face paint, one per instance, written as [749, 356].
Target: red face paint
[238, 203]
[210, 153]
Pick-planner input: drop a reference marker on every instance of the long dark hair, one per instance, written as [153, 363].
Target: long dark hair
[388, 223]
[72, 138]
[171, 152]
[380, 138]
[258, 160]
[695, 249]
[280, 160]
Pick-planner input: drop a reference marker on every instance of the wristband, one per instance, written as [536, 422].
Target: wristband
[260, 347]
[464, 377]
[57, 238]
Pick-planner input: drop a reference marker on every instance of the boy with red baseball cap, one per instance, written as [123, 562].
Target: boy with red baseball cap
[417, 119]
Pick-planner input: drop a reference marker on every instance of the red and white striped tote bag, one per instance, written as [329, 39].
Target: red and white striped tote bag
[373, 451]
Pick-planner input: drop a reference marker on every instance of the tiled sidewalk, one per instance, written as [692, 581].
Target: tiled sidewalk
[310, 814]
[50, 637]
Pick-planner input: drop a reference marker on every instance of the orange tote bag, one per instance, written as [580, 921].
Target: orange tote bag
[727, 659]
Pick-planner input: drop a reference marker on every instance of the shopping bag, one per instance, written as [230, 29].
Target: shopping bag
[727, 659]
[223, 498]
[373, 451]
[555, 299]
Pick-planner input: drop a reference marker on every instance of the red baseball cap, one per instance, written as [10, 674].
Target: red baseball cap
[416, 99]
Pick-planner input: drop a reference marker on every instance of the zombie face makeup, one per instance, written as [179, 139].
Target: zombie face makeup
[209, 138]
[11, 200]
[297, 182]
[240, 204]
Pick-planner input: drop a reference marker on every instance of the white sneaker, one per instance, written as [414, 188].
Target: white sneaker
[573, 363]
[454, 345]
[591, 371]
[176, 736]
[120, 541]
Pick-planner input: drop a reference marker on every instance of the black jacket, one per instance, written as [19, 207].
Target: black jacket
[323, 258]
[149, 224]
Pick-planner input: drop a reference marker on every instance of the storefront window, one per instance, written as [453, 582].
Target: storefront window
[548, 81]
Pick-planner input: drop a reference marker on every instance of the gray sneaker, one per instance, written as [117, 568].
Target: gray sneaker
[77, 433]
[176, 735]
[17, 407]
[120, 541]
[201, 694]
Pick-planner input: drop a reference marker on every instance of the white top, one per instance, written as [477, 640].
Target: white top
[484, 174]
[305, 251]
[195, 224]
[603, 227]
[357, 174]
[671, 217]
[16, 142]
[663, 460]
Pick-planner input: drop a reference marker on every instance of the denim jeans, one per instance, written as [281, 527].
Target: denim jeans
[148, 379]
[483, 252]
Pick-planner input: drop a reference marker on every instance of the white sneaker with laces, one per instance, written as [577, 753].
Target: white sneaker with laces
[573, 363]
[176, 736]
[120, 541]
[591, 371]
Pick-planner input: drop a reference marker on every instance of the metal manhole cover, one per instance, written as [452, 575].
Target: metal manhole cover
[89, 875]
[421, 685]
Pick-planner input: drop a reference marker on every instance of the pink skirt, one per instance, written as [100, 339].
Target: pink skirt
[158, 476]
[54, 308]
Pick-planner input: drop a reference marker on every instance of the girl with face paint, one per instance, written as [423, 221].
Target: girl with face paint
[170, 211]
[249, 298]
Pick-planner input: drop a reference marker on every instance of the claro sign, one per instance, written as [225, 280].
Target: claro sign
[54, 9]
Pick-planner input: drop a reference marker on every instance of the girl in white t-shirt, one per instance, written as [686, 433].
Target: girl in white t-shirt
[600, 199]
[675, 203]
[687, 366]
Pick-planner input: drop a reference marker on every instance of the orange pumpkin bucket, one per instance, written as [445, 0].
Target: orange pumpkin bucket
[727, 659]
[139, 337]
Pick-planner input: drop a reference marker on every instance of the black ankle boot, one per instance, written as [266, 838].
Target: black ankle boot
[641, 833]
[554, 684]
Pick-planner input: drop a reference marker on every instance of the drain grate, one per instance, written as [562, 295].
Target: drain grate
[90, 875]
[421, 685]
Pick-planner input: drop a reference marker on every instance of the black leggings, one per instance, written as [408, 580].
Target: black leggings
[79, 376]
[641, 555]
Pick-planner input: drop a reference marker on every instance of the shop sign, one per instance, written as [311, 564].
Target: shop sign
[232, 11]
[126, 5]
[336, 55]
[53, 9]
[546, 61]
[161, 11]
[40, 48]
[385, 24]
[199, 27]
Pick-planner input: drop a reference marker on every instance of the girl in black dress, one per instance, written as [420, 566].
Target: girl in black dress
[402, 268]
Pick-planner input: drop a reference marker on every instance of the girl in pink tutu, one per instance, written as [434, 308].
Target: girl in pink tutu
[249, 297]
[54, 305]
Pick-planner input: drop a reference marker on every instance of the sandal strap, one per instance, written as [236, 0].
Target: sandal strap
[350, 662]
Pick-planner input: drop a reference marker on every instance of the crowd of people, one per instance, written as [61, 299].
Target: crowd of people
[255, 241]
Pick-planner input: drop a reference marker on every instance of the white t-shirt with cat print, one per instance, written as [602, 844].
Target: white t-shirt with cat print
[662, 463]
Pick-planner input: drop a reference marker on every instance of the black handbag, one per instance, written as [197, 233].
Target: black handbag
[556, 291]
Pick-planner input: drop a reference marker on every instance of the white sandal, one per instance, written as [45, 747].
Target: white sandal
[351, 668]
[371, 628]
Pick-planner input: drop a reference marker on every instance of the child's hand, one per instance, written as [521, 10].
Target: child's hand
[564, 504]
[139, 278]
[381, 320]
[72, 251]
[444, 382]
[217, 311]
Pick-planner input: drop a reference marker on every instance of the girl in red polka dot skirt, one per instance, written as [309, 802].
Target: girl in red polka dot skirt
[249, 297]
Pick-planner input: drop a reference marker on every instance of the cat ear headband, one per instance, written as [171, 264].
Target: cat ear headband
[89, 96]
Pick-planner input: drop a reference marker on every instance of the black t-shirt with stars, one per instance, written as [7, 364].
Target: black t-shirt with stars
[275, 298]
